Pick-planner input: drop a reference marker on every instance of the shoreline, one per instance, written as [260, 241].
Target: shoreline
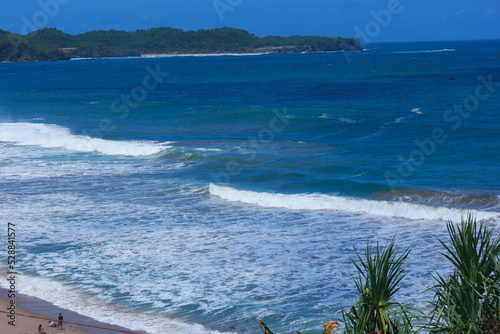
[161, 55]
[148, 56]
[171, 55]
[36, 307]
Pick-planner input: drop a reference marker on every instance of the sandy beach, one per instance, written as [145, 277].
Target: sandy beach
[21, 324]
[31, 312]
[160, 55]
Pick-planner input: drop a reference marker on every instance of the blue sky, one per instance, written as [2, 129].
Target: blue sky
[370, 20]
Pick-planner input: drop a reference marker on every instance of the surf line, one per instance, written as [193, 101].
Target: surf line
[73, 323]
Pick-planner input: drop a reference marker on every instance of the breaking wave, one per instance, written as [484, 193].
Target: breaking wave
[55, 136]
[346, 204]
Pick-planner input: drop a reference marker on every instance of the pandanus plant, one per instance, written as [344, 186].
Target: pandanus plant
[380, 273]
[376, 312]
[467, 301]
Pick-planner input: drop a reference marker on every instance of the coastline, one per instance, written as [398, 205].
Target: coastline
[162, 55]
[171, 55]
[37, 308]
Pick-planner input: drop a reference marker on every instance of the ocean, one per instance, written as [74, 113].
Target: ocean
[198, 194]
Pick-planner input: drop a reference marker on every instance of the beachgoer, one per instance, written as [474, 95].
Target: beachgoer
[52, 324]
[40, 329]
[60, 323]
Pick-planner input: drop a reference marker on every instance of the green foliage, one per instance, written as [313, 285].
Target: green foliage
[309, 43]
[52, 44]
[14, 47]
[468, 300]
[380, 273]
[50, 36]
[265, 329]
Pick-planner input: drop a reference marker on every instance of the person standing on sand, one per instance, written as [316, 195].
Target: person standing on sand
[60, 323]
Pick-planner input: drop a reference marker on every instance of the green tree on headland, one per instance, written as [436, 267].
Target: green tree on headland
[14, 47]
[53, 44]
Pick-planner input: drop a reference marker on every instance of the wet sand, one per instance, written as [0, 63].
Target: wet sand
[36, 308]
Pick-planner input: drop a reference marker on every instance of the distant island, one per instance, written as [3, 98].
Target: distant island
[53, 44]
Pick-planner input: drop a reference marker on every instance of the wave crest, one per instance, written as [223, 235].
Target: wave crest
[54, 136]
[346, 204]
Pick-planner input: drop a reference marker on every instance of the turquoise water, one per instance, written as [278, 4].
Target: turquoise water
[206, 192]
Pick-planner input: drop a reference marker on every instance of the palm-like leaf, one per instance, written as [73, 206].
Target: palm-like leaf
[265, 329]
[380, 273]
[472, 249]
[468, 300]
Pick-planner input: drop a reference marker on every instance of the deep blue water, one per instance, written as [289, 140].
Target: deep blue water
[218, 190]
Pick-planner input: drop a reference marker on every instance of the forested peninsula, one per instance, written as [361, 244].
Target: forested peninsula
[53, 44]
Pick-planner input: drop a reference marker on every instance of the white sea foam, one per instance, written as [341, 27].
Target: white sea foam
[346, 204]
[426, 51]
[52, 136]
[382, 128]
[347, 120]
[201, 149]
